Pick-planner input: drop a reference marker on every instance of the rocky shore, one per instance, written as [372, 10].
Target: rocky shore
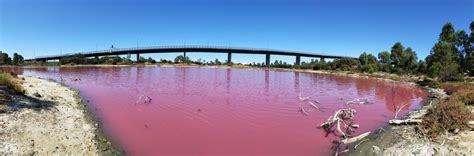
[50, 119]
[404, 139]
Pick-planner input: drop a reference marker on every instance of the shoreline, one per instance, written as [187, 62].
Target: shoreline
[51, 118]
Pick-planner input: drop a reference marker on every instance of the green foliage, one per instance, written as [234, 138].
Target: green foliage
[321, 65]
[443, 61]
[421, 67]
[403, 60]
[384, 61]
[396, 55]
[280, 64]
[368, 63]
[182, 59]
[368, 68]
[5, 59]
[344, 64]
[17, 59]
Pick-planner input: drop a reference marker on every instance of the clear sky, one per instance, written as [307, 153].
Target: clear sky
[35, 28]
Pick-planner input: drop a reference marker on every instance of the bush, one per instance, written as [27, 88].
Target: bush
[428, 82]
[9, 80]
[369, 68]
[448, 115]
[451, 113]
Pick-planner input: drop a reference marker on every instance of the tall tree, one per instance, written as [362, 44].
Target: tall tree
[396, 55]
[443, 61]
[2, 61]
[384, 60]
[365, 59]
[15, 59]
[463, 45]
[6, 59]
[469, 64]
[409, 59]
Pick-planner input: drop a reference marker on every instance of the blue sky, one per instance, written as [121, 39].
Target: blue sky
[36, 28]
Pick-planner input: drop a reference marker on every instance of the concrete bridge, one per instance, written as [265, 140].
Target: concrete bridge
[185, 49]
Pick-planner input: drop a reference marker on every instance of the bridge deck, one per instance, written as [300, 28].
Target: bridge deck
[173, 49]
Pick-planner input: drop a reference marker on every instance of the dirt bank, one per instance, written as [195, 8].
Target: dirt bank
[405, 140]
[50, 119]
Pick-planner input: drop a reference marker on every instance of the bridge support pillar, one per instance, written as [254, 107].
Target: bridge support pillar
[267, 60]
[138, 57]
[184, 54]
[298, 60]
[229, 58]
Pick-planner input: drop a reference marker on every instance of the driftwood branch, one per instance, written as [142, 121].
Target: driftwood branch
[406, 121]
[359, 101]
[356, 138]
[306, 99]
[338, 120]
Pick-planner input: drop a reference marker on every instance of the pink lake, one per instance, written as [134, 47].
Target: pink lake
[219, 111]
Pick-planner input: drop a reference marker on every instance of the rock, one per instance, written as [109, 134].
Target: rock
[471, 124]
[37, 94]
[355, 125]
[456, 131]
[376, 149]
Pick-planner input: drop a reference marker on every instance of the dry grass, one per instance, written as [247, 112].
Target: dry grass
[11, 81]
[451, 113]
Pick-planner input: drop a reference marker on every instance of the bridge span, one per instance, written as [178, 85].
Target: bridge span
[184, 49]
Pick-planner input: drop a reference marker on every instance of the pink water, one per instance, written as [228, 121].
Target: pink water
[217, 111]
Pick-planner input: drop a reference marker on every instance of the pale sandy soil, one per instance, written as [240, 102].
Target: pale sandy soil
[56, 123]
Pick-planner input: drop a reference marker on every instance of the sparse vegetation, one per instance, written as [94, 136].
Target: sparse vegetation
[452, 113]
[11, 81]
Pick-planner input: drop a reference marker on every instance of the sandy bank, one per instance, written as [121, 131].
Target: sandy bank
[49, 120]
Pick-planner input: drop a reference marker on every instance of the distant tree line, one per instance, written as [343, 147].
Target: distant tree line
[450, 59]
[7, 60]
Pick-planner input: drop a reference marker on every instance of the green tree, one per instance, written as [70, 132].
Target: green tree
[365, 59]
[463, 45]
[384, 60]
[6, 59]
[17, 59]
[396, 56]
[182, 59]
[403, 60]
[409, 60]
[443, 61]
[344, 64]
[469, 52]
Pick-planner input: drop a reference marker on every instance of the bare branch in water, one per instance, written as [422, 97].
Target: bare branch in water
[398, 109]
[144, 98]
[338, 120]
[359, 101]
[306, 99]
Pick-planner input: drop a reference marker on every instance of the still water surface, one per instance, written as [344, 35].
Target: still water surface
[218, 111]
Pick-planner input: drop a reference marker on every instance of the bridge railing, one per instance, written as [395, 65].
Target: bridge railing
[112, 50]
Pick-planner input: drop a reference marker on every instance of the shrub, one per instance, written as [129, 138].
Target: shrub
[448, 115]
[369, 68]
[9, 80]
[429, 82]
[451, 113]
